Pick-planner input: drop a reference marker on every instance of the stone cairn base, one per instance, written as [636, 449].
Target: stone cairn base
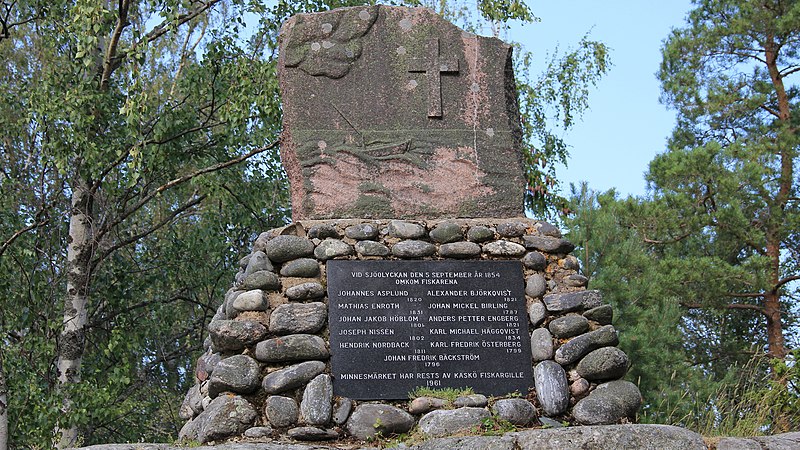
[265, 371]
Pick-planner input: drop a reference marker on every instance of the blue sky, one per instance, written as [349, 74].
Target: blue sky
[626, 126]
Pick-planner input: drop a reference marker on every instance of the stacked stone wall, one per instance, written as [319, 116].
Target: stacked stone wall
[266, 371]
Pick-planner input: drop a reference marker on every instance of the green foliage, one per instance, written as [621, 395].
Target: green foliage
[494, 426]
[634, 280]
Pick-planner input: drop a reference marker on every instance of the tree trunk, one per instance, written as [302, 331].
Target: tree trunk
[72, 341]
[776, 345]
[3, 408]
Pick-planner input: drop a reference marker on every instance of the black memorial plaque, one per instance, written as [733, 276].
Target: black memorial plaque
[397, 325]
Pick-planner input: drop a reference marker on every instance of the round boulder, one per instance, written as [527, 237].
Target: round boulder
[607, 363]
[568, 326]
[287, 247]
[224, 417]
[443, 422]
[292, 318]
[608, 403]
[373, 418]
[518, 411]
[281, 411]
[292, 377]
[234, 335]
[551, 387]
[239, 374]
[294, 347]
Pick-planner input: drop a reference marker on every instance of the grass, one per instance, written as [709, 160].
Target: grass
[447, 394]
[760, 398]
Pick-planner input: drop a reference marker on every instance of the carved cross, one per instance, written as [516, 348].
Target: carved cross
[433, 66]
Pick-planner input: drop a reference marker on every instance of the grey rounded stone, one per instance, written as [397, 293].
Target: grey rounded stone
[576, 280]
[305, 291]
[258, 432]
[250, 301]
[281, 411]
[188, 432]
[607, 363]
[258, 261]
[373, 418]
[240, 374]
[577, 347]
[413, 249]
[446, 232]
[568, 326]
[579, 387]
[261, 242]
[246, 260]
[294, 347]
[286, 248]
[518, 411]
[332, 248]
[512, 229]
[479, 233]
[292, 318]
[535, 261]
[541, 345]
[302, 268]
[535, 286]
[548, 229]
[362, 231]
[443, 422]
[371, 248]
[228, 311]
[552, 389]
[224, 417]
[608, 403]
[312, 434]
[422, 405]
[261, 279]
[476, 400]
[234, 335]
[460, 250]
[405, 230]
[548, 244]
[324, 230]
[317, 405]
[573, 301]
[503, 248]
[536, 313]
[192, 404]
[602, 314]
[342, 411]
[292, 377]
[570, 263]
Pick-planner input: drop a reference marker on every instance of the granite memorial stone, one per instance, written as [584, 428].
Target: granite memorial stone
[395, 112]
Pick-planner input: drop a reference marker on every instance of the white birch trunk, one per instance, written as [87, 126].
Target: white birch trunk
[72, 341]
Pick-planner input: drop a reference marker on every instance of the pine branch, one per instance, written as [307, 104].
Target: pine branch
[730, 306]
